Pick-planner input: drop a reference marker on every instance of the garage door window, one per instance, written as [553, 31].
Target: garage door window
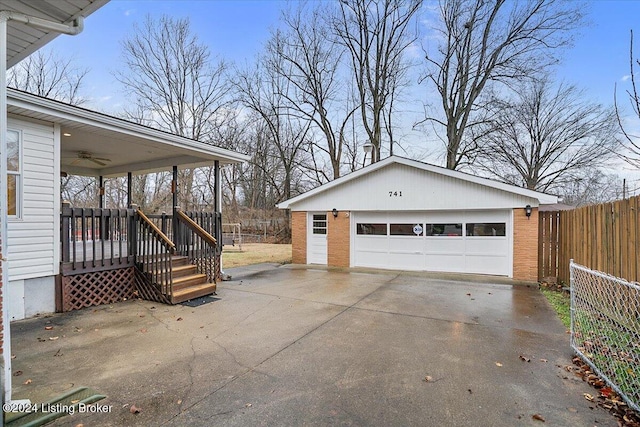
[405, 229]
[320, 224]
[443, 230]
[497, 229]
[372, 229]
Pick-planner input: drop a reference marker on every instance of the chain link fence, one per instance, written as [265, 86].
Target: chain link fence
[605, 329]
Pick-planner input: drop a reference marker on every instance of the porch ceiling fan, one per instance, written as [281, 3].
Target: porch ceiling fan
[87, 156]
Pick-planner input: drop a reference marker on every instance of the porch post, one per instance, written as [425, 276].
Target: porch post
[174, 191]
[101, 192]
[217, 204]
[128, 189]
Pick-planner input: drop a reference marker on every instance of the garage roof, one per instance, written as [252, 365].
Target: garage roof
[455, 180]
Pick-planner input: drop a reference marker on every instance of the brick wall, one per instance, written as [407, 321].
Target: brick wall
[338, 236]
[299, 237]
[525, 245]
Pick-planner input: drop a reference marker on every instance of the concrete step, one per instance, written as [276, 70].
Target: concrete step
[192, 292]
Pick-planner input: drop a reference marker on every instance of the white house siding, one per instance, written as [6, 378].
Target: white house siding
[399, 187]
[33, 239]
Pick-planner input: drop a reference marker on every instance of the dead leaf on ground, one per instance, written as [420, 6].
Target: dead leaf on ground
[17, 373]
[469, 294]
[248, 405]
[13, 356]
[73, 402]
[53, 338]
[41, 340]
[134, 409]
[27, 382]
[428, 378]
[544, 360]
[179, 402]
[178, 319]
[524, 359]
[538, 417]
[498, 364]
[588, 397]
[79, 425]
[48, 328]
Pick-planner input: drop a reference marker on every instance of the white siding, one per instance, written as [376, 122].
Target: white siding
[421, 190]
[32, 242]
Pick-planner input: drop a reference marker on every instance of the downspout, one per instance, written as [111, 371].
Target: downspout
[72, 29]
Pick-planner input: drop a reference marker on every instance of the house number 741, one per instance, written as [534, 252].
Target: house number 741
[395, 193]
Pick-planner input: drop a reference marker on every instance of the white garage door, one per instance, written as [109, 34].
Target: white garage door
[451, 241]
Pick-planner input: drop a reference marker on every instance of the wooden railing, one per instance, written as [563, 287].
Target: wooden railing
[195, 241]
[153, 253]
[96, 239]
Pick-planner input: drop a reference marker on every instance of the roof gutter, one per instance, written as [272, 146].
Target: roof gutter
[73, 29]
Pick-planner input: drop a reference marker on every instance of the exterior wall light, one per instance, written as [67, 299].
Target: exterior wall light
[335, 213]
[527, 211]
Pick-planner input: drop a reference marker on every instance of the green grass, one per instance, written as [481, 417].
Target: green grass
[561, 303]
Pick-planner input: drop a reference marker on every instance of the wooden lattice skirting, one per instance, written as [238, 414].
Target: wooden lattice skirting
[146, 289]
[96, 288]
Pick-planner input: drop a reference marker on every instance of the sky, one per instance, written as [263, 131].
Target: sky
[237, 29]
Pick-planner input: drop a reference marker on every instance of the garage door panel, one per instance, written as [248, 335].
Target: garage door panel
[446, 243]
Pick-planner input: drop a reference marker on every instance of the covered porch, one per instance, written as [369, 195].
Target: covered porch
[111, 253]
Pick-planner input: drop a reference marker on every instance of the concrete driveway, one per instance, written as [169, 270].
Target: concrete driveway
[304, 346]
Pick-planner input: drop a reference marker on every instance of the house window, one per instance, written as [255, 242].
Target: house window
[486, 229]
[14, 171]
[372, 229]
[443, 230]
[320, 224]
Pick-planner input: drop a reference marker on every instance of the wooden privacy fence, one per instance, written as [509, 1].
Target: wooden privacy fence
[603, 237]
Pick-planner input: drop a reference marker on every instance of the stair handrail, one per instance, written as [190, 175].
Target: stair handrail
[199, 246]
[170, 245]
[196, 228]
[154, 252]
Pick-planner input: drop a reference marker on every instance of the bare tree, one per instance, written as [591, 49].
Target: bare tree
[547, 136]
[309, 60]
[280, 137]
[175, 84]
[377, 34]
[631, 142]
[484, 42]
[49, 75]
[592, 186]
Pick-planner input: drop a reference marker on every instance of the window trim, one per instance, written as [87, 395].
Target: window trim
[18, 176]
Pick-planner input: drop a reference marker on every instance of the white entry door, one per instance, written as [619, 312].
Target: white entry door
[317, 238]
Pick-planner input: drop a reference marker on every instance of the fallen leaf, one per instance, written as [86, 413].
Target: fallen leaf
[498, 364]
[134, 409]
[79, 425]
[179, 402]
[48, 328]
[248, 405]
[73, 402]
[524, 359]
[538, 417]
[27, 382]
[544, 360]
[428, 378]
[588, 397]
[17, 373]
[606, 391]
[13, 356]
[468, 294]
[179, 319]
[53, 338]
[41, 340]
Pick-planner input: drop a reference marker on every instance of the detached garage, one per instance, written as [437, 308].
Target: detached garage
[403, 214]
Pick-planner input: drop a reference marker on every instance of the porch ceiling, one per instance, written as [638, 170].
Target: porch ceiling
[23, 40]
[120, 146]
